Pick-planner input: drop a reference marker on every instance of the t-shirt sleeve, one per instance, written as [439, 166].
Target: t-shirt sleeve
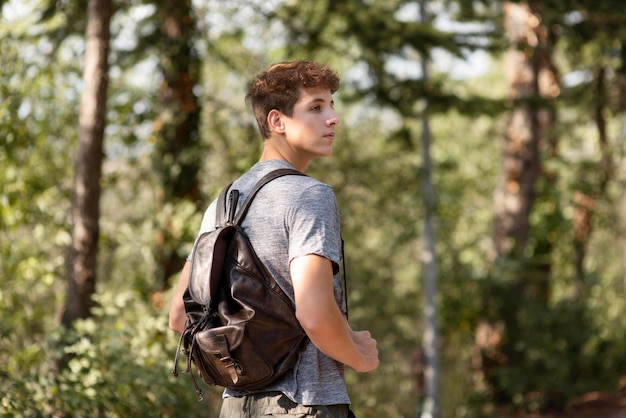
[208, 224]
[314, 226]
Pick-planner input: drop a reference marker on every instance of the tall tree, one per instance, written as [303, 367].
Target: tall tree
[530, 75]
[177, 156]
[430, 342]
[81, 266]
[522, 266]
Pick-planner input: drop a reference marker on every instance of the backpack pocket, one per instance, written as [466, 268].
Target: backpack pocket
[229, 358]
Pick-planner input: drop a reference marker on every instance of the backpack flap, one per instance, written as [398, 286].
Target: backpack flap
[207, 263]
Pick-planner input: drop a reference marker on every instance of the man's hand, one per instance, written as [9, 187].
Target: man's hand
[367, 347]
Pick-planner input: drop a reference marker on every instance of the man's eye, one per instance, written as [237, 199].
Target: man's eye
[316, 108]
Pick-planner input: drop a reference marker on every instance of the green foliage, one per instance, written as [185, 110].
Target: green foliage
[546, 345]
[36, 131]
[116, 365]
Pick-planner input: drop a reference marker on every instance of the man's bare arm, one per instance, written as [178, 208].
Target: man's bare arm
[323, 321]
[177, 307]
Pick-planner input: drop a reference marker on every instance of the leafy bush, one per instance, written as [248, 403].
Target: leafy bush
[553, 352]
[116, 364]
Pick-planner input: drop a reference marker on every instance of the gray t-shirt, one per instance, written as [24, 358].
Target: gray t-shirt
[294, 216]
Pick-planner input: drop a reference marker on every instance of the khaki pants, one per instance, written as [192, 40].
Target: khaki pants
[276, 404]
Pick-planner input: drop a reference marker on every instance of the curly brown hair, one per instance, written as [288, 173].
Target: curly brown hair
[279, 88]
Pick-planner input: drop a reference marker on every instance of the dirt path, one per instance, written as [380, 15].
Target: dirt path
[592, 405]
[599, 405]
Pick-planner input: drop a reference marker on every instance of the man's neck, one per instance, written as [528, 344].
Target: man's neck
[273, 152]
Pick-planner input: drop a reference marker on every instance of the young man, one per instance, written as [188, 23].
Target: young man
[293, 224]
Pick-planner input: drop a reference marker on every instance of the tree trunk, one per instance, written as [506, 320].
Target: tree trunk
[81, 273]
[592, 183]
[521, 273]
[532, 81]
[177, 157]
[430, 407]
[515, 191]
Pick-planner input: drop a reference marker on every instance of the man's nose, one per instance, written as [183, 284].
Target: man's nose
[333, 120]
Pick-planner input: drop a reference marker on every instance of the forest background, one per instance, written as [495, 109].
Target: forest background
[492, 133]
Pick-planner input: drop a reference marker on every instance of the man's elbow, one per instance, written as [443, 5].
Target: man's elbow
[177, 322]
[311, 322]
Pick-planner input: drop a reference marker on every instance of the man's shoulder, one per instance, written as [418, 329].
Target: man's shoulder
[291, 184]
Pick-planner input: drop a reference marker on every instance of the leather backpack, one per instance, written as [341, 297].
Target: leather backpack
[241, 330]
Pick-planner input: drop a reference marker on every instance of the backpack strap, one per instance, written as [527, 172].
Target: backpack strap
[222, 207]
[345, 280]
[260, 184]
[225, 213]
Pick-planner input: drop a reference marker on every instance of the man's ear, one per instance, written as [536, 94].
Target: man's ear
[275, 121]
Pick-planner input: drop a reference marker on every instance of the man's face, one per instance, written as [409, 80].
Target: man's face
[310, 131]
